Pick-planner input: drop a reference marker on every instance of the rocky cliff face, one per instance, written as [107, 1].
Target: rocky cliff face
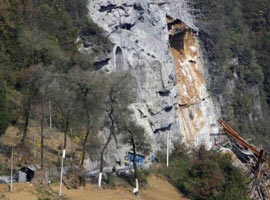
[157, 42]
[197, 112]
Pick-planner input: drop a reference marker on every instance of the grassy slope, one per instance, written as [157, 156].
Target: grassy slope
[53, 141]
[157, 189]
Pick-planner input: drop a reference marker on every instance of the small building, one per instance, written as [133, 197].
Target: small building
[26, 174]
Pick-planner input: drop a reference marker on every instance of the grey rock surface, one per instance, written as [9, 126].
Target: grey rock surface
[138, 29]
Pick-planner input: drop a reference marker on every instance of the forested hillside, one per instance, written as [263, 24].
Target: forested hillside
[40, 33]
[44, 76]
[57, 103]
[235, 37]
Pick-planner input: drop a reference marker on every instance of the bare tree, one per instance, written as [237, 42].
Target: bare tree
[120, 93]
[43, 84]
[137, 138]
[89, 97]
[29, 81]
[63, 97]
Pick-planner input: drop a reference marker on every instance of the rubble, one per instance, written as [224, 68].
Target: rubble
[257, 161]
[75, 178]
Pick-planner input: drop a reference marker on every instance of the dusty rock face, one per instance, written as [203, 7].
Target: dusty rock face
[172, 95]
[197, 112]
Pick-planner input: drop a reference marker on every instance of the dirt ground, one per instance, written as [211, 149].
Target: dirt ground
[20, 192]
[158, 189]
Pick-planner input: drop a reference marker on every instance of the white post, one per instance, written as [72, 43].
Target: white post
[50, 110]
[136, 190]
[61, 174]
[137, 185]
[167, 150]
[11, 172]
[99, 180]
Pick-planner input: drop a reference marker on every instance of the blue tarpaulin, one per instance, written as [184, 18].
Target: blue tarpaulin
[139, 159]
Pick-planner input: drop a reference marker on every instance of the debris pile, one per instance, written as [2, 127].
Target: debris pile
[40, 178]
[257, 161]
[75, 178]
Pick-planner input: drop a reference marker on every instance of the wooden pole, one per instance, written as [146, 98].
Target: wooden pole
[71, 146]
[236, 136]
[50, 110]
[35, 140]
[11, 171]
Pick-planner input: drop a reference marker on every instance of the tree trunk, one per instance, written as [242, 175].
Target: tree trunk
[42, 137]
[102, 158]
[108, 141]
[84, 146]
[112, 134]
[27, 116]
[71, 147]
[87, 128]
[136, 190]
[116, 141]
[65, 134]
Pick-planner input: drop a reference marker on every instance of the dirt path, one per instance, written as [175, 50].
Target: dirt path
[158, 189]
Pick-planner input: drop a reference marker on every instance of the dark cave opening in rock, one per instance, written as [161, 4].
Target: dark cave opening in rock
[164, 93]
[163, 129]
[119, 59]
[177, 30]
[126, 26]
[99, 64]
[107, 8]
[168, 108]
[172, 23]
[138, 7]
[177, 40]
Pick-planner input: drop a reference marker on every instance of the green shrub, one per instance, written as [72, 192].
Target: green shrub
[235, 35]
[42, 32]
[143, 176]
[205, 174]
[110, 181]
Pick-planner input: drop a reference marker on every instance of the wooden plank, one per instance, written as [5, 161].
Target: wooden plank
[236, 136]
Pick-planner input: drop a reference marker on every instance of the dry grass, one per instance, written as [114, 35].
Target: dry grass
[20, 192]
[23, 156]
[158, 189]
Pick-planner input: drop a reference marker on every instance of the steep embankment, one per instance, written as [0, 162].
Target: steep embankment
[158, 189]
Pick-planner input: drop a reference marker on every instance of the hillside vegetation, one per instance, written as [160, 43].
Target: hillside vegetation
[158, 189]
[40, 32]
[235, 37]
[204, 175]
[44, 75]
